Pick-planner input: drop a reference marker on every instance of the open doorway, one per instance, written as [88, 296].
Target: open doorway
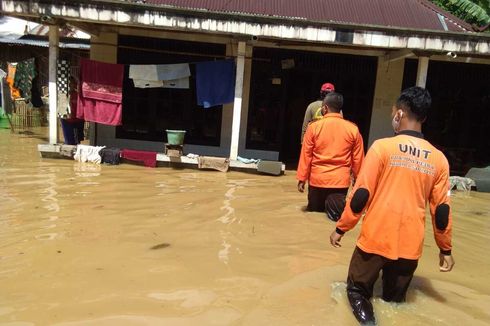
[458, 122]
[284, 82]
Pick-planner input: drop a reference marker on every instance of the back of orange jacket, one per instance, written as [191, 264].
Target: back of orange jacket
[332, 149]
[401, 174]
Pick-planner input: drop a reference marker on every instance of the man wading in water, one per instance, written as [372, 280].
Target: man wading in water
[398, 177]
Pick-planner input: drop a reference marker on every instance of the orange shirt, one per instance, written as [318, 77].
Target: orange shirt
[332, 149]
[402, 174]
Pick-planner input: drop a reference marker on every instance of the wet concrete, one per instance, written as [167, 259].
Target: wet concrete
[82, 244]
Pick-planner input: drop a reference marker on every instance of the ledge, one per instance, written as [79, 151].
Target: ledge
[54, 151]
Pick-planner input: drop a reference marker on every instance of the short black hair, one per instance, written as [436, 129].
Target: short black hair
[324, 93]
[416, 101]
[334, 101]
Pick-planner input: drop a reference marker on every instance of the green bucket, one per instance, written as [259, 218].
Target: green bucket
[175, 137]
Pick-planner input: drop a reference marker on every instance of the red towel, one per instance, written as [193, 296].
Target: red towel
[100, 96]
[148, 158]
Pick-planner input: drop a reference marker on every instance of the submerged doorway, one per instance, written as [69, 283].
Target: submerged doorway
[284, 82]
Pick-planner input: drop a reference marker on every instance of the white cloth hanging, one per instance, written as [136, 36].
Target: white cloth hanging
[143, 72]
[176, 83]
[167, 76]
[172, 72]
[141, 83]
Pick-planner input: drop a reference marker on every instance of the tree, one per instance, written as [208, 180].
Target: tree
[472, 11]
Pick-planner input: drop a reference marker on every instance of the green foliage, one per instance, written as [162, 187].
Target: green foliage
[474, 12]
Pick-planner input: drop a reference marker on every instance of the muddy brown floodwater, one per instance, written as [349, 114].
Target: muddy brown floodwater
[82, 244]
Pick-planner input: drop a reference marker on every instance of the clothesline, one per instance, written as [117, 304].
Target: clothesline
[183, 53]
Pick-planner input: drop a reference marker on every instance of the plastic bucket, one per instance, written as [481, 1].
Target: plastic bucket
[175, 137]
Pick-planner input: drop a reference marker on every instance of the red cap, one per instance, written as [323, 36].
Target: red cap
[327, 87]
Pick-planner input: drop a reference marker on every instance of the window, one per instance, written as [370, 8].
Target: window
[148, 112]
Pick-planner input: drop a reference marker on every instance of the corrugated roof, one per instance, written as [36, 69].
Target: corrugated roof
[45, 43]
[413, 14]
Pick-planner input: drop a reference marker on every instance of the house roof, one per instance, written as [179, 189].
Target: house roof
[14, 31]
[44, 43]
[413, 14]
[12, 28]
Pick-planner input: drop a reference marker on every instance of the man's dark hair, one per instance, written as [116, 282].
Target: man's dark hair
[334, 101]
[324, 93]
[415, 101]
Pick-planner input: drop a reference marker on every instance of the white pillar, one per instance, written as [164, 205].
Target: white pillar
[422, 71]
[237, 104]
[54, 39]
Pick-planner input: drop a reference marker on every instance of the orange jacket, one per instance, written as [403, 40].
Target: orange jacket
[332, 149]
[402, 174]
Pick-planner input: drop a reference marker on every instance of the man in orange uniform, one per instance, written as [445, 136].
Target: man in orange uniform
[399, 176]
[332, 149]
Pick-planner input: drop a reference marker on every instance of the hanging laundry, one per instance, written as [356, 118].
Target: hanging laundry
[73, 98]
[174, 71]
[100, 99]
[143, 72]
[148, 158]
[14, 92]
[63, 76]
[141, 83]
[24, 74]
[215, 82]
[167, 76]
[62, 104]
[177, 83]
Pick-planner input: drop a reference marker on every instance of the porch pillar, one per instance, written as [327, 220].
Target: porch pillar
[237, 104]
[54, 39]
[422, 71]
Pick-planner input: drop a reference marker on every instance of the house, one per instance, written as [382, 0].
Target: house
[21, 40]
[284, 50]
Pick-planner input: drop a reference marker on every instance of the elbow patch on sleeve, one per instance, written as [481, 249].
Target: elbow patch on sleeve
[442, 216]
[359, 200]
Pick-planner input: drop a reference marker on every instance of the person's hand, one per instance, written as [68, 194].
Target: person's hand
[446, 262]
[335, 239]
[301, 186]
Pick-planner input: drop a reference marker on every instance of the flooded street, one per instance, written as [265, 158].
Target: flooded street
[82, 244]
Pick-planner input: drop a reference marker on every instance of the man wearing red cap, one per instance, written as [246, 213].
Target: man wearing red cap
[314, 110]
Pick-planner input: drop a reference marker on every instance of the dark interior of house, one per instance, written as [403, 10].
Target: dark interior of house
[284, 82]
[148, 112]
[459, 119]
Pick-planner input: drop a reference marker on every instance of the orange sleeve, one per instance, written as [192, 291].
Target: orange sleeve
[440, 196]
[304, 165]
[369, 175]
[357, 155]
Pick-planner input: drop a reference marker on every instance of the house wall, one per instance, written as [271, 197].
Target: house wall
[387, 88]
[104, 48]
[389, 78]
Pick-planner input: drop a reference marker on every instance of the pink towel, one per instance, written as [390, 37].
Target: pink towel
[148, 158]
[100, 96]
